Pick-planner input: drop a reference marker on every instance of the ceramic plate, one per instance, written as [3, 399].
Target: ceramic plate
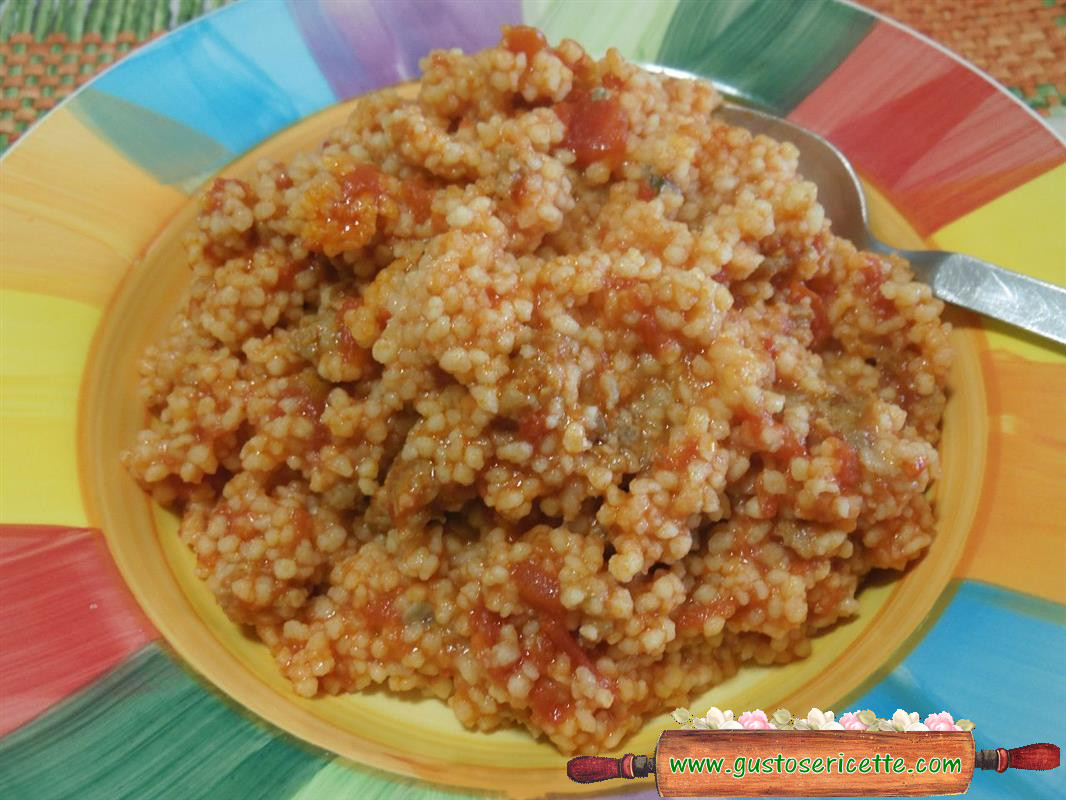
[119, 675]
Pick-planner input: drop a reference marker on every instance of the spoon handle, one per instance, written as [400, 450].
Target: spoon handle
[1032, 304]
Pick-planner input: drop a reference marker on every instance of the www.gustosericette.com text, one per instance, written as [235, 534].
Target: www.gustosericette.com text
[880, 763]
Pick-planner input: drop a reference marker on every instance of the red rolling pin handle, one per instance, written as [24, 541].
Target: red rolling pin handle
[1032, 756]
[590, 769]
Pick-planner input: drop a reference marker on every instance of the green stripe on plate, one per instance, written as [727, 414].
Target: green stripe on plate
[150, 729]
[772, 53]
[340, 779]
[636, 29]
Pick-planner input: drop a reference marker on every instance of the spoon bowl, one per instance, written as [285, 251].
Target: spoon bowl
[839, 190]
[1011, 297]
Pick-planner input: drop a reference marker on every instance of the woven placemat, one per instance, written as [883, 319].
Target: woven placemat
[50, 47]
[1020, 43]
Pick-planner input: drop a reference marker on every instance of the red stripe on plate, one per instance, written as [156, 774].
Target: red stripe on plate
[937, 137]
[65, 617]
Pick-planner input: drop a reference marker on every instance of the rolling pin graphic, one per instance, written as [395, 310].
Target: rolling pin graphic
[760, 762]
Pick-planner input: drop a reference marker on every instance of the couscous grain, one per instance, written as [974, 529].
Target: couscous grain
[545, 393]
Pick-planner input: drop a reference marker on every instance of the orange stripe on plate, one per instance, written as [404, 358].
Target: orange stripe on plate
[77, 240]
[65, 617]
[1017, 539]
[937, 137]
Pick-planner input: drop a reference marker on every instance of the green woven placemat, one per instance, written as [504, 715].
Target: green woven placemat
[50, 47]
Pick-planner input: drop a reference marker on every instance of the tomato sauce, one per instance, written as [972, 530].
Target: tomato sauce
[596, 127]
[361, 180]
[792, 447]
[380, 611]
[215, 195]
[751, 427]
[349, 219]
[540, 591]
[524, 39]
[849, 470]
[537, 588]
[914, 469]
[301, 520]
[679, 459]
[287, 274]
[630, 297]
[484, 628]
[308, 406]
[550, 701]
[418, 197]
[348, 347]
[823, 286]
[769, 504]
[533, 428]
[691, 615]
[873, 278]
[651, 333]
[311, 403]
[562, 640]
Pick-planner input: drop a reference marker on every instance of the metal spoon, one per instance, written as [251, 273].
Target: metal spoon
[966, 281]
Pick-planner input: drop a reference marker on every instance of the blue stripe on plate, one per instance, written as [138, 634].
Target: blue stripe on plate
[173, 153]
[995, 657]
[270, 81]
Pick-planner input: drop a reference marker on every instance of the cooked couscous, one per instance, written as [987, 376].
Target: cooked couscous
[544, 393]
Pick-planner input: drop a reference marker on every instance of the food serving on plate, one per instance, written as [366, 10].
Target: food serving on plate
[544, 393]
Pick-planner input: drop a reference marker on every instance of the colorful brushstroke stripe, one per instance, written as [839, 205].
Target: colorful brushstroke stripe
[150, 729]
[785, 49]
[95, 225]
[934, 135]
[66, 617]
[88, 688]
[364, 46]
[186, 105]
[270, 78]
[993, 656]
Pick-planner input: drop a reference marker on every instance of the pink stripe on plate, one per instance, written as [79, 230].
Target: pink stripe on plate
[937, 137]
[65, 617]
